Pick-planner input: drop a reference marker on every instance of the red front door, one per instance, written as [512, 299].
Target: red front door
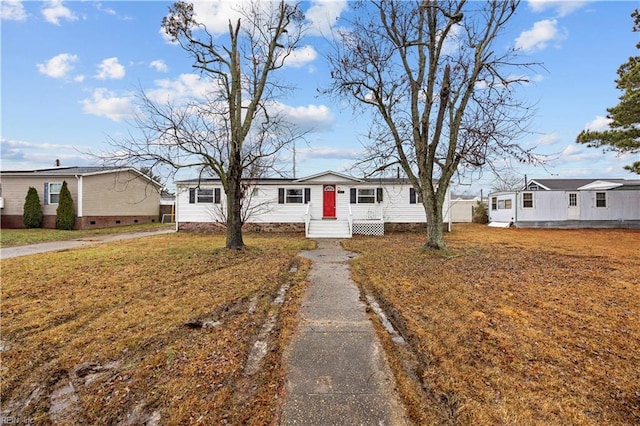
[328, 201]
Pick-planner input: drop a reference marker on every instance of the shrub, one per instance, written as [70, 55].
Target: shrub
[65, 216]
[480, 214]
[32, 212]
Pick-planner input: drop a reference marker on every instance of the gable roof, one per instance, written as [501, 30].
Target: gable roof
[578, 184]
[76, 171]
[327, 174]
[307, 179]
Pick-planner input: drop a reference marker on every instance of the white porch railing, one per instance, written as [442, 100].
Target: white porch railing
[307, 219]
[350, 219]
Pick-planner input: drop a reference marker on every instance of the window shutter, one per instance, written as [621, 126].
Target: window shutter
[379, 195]
[46, 193]
[280, 195]
[412, 196]
[352, 194]
[307, 195]
[192, 195]
[216, 195]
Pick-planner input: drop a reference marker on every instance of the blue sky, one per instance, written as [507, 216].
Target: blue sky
[69, 70]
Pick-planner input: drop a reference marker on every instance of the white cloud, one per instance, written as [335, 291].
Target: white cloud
[317, 118]
[323, 15]
[13, 10]
[301, 56]
[58, 66]
[28, 155]
[561, 7]
[55, 10]
[215, 15]
[328, 153]
[184, 87]
[104, 103]
[539, 36]
[548, 139]
[598, 124]
[110, 68]
[159, 65]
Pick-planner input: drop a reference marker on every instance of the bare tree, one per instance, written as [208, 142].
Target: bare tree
[233, 132]
[441, 94]
[507, 181]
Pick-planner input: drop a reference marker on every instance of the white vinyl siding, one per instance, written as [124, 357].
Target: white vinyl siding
[392, 204]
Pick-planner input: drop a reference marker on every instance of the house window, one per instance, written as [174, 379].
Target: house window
[204, 195]
[294, 196]
[366, 196]
[500, 204]
[414, 197]
[53, 192]
[507, 204]
[573, 200]
[494, 203]
[527, 200]
[601, 199]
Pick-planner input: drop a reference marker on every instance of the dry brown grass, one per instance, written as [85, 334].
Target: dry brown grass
[514, 326]
[112, 320]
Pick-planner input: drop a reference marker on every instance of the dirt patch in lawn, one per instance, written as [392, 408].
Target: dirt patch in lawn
[512, 326]
[151, 331]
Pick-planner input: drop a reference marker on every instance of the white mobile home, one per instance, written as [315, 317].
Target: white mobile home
[569, 203]
[327, 204]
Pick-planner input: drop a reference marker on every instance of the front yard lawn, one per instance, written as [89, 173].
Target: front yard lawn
[513, 326]
[155, 330]
[21, 237]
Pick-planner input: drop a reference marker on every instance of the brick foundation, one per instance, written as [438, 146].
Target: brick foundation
[247, 227]
[90, 222]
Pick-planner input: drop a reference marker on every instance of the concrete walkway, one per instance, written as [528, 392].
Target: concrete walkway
[8, 252]
[336, 370]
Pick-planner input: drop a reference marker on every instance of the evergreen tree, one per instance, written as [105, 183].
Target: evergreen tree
[32, 212]
[624, 133]
[65, 216]
[480, 213]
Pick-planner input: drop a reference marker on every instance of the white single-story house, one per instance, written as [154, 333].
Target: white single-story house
[102, 196]
[568, 203]
[328, 204]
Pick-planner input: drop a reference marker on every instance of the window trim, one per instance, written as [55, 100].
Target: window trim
[603, 200]
[194, 195]
[285, 198]
[370, 197]
[532, 200]
[48, 193]
[494, 203]
[415, 197]
[294, 195]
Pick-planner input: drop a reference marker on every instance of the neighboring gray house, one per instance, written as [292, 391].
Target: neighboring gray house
[568, 203]
[102, 196]
[327, 204]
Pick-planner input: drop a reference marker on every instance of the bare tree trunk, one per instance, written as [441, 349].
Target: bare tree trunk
[435, 224]
[234, 205]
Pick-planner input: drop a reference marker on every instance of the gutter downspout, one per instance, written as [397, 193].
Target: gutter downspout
[175, 204]
[515, 219]
[80, 195]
